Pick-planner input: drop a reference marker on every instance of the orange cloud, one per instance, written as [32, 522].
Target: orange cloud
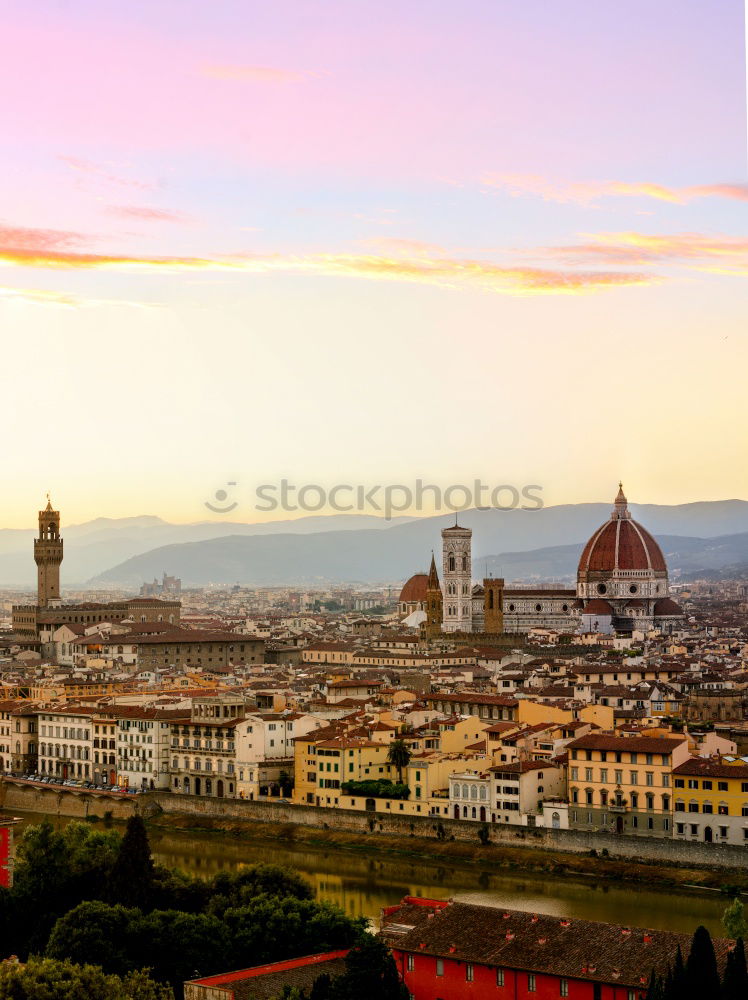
[587, 192]
[635, 249]
[261, 74]
[428, 268]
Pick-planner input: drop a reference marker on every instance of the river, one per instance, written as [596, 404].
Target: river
[362, 885]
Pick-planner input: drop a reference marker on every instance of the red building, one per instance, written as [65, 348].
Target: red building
[455, 951]
[6, 842]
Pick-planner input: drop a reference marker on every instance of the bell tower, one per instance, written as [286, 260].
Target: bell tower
[433, 602]
[48, 556]
[457, 615]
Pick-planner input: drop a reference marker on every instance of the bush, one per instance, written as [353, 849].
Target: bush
[381, 789]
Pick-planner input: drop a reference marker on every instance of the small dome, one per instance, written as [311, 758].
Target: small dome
[666, 606]
[414, 590]
[597, 607]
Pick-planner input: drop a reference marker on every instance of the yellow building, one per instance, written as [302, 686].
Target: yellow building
[623, 783]
[324, 759]
[710, 800]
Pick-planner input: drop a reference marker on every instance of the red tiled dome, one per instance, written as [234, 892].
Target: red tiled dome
[621, 544]
[667, 606]
[414, 589]
[597, 607]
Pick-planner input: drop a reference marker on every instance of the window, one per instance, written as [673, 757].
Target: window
[563, 988]
[531, 987]
[499, 977]
[722, 786]
[440, 966]
[410, 963]
[469, 972]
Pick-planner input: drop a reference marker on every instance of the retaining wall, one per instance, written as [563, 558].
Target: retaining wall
[647, 849]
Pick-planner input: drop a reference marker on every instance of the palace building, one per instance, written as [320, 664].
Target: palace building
[35, 624]
[622, 585]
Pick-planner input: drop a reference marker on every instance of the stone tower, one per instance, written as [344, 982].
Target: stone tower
[48, 556]
[457, 574]
[493, 605]
[434, 602]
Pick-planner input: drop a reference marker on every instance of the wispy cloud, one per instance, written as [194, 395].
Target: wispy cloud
[147, 214]
[424, 266]
[104, 173]
[588, 192]
[38, 297]
[632, 248]
[39, 240]
[255, 74]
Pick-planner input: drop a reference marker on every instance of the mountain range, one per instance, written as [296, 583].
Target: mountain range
[516, 544]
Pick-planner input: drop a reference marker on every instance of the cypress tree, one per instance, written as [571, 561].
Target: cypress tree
[702, 977]
[735, 980]
[131, 881]
[655, 987]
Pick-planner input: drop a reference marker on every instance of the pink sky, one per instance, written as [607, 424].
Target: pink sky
[253, 180]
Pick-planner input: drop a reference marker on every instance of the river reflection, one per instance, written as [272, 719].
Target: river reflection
[361, 884]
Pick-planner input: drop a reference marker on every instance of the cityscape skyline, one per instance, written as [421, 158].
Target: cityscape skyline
[473, 255]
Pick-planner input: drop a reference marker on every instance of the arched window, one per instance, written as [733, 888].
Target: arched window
[451, 563]
[473, 792]
[464, 564]
[464, 791]
[483, 792]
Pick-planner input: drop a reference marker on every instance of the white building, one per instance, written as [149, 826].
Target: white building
[65, 743]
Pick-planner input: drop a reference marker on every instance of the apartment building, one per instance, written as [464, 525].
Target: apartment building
[203, 747]
[65, 742]
[623, 783]
[144, 745]
[710, 800]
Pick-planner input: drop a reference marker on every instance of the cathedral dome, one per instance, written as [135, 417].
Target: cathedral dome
[621, 545]
[414, 590]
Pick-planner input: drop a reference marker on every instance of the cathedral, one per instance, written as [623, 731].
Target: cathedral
[622, 585]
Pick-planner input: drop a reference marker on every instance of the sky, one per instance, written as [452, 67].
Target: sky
[369, 243]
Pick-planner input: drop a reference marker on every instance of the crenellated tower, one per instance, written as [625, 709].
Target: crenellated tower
[493, 605]
[48, 556]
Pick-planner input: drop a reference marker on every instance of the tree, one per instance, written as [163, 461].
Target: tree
[734, 920]
[45, 979]
[399, 756]
[702, 976]
[370, 974]
[131, 881]
[656, 987]
[735, 979]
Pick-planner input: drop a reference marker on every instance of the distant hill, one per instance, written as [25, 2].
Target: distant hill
[693, 536]
[93, 546]
[689, 557]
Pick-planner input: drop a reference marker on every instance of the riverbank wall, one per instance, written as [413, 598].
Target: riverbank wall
[53, 800]
[278, 813]
[623, 848]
